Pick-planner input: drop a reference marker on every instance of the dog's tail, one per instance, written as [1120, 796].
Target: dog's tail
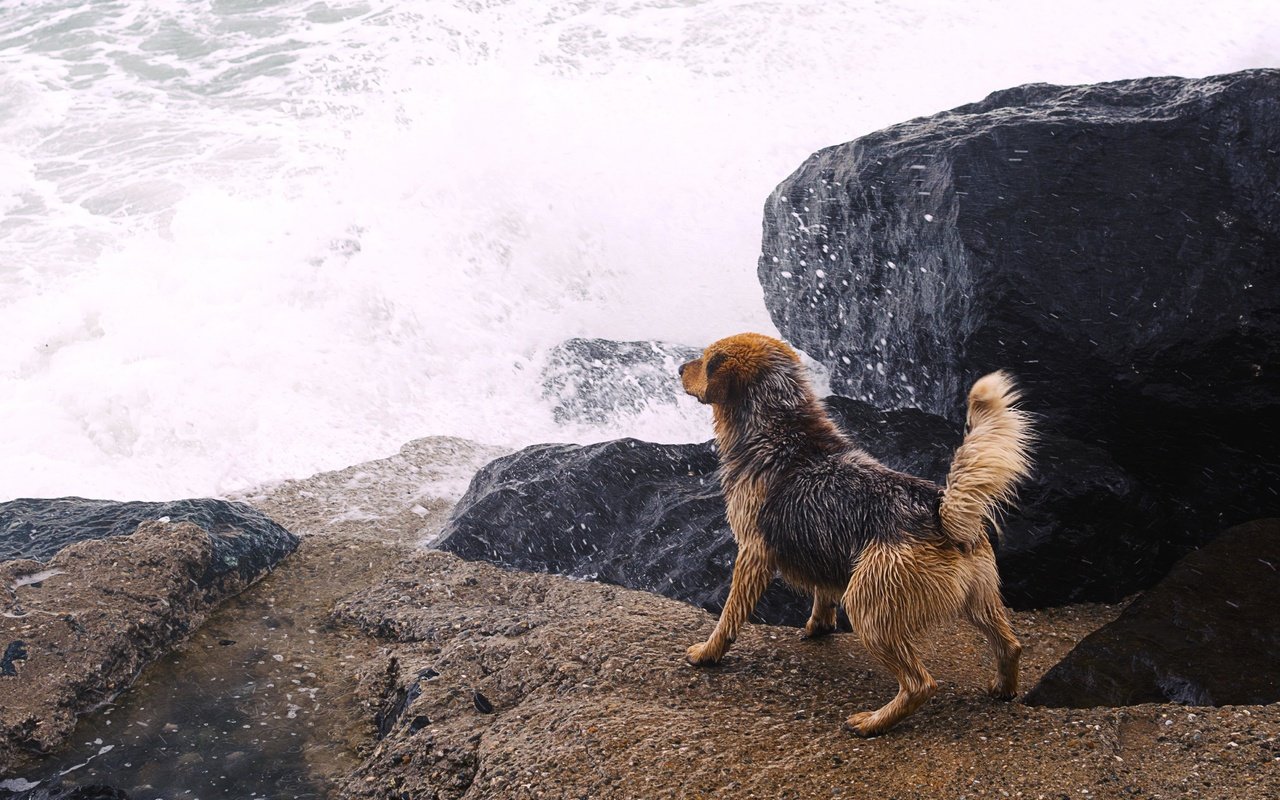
[989, 462]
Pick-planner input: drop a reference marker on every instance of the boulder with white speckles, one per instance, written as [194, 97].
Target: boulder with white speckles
[1114, 246]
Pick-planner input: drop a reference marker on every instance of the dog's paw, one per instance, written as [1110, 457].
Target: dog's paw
[816, 630]
[1000, 691]
[864, 724]
[703, 655]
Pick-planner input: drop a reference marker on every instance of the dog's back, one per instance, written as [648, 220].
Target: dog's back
[820, 515]
[827, 500]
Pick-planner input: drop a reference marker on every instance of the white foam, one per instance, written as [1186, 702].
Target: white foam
[242, 248]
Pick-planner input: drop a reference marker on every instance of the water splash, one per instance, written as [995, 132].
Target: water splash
[245, 241]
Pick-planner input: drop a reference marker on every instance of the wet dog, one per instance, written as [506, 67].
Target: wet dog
[900, 553]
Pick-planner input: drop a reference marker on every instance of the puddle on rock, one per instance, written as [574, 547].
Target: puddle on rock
[255, 704]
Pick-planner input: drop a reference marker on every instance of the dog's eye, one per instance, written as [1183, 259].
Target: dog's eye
[714, 363]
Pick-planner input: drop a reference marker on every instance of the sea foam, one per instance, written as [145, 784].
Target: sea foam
[249, 241]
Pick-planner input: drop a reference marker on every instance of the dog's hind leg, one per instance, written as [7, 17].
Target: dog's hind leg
[896, 593]
[751, 575]
[993, 621]
[915, 684]
[984, 609]
[823, 619]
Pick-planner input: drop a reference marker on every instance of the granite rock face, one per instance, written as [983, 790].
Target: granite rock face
[597, 380]
[1114, 246]
[1206, 635]
[85, 608]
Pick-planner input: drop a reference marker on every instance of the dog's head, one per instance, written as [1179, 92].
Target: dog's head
[731, 367]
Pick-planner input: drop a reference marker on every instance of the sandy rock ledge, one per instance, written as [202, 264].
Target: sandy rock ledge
[494, 684]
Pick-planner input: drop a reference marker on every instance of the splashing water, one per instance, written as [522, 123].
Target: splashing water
[245, 240]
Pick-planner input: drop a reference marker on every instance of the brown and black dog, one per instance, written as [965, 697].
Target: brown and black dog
[899, 552]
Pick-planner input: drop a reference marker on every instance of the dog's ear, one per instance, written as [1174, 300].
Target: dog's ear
[718, 378]
[714, 363]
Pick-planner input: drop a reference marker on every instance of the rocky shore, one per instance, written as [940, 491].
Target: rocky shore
[416, 674]
[306, 641]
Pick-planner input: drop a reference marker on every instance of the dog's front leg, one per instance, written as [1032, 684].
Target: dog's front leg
[751, 575]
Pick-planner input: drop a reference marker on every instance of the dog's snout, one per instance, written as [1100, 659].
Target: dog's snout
[680, 371]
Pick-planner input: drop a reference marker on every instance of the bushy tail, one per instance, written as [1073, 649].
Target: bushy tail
[989, 462]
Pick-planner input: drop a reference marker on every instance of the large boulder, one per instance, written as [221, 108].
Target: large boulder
[1080, 531]
[93, 591]
[1206, 635]
[1114, 246]
[651, 516]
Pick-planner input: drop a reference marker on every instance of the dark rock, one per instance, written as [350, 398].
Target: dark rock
[651, 516]
[402, 698]
[61, 792]
[642, 515]
[1063, 542]
[1207, 634]
[243, 537]
[13, 653]
[597, 380]
[908, 440]
[1114, 246]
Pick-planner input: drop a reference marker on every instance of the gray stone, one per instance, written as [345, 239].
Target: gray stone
[243, 538]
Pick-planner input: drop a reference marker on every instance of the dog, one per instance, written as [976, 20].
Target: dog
[900, 553]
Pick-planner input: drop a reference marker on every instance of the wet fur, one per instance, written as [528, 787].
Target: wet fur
[898, 552]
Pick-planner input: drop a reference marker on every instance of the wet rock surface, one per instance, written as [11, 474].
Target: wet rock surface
[78, 629]
[1081, 530]
[402, 498]
[651, 516]
[1205, 635]
[1111, 245]
[588, 696]
[598, 380]
[63, 793]
[627, 512]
